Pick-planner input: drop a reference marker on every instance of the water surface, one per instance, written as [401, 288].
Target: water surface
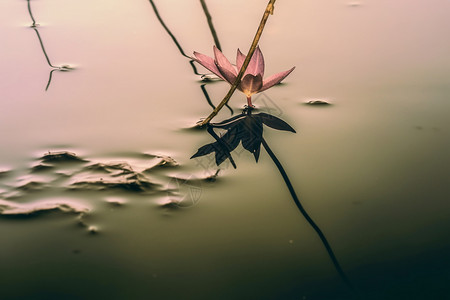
[371, 168]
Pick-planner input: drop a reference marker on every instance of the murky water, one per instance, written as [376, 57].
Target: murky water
[99, 197]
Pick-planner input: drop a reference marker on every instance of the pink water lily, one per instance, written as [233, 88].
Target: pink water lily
[252, 82]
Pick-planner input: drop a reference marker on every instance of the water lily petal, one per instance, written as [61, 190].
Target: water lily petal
[251, 84]
[275, 79]
[256, 65]
[207, 62]
[224, 65]
[239, 59]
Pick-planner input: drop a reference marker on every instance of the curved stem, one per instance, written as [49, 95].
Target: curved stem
[49, 79]
[174, 39]
[210, 24]
[31, 14]
[43, 49]
[307, 217]
[267, 12]
[205, 93]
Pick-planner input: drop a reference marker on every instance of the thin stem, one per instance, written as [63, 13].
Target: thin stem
[31, 14]
[267, 12]
[43, 48]
[205, 93]
[224, 145]
[210, 24]
[249, 101]
[208, 99]
[231, 110]
[49, 79]
[307, 217]
[172, 36]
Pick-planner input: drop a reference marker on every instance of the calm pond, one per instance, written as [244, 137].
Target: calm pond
[99, 196]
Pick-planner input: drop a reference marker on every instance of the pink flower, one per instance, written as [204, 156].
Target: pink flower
[252, 82]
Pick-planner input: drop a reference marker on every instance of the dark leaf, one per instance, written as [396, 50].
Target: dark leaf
[274, 122]
[251, 134]
[204, 150]
[247, 128]
[222, 152]
[231, 138]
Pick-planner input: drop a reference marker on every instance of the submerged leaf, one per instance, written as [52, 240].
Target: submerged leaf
[246, 128]
[274, 122]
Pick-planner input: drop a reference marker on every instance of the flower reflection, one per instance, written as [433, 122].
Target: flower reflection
[246, 128]
[252, 82]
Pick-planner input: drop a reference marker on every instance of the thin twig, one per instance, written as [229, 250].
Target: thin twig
[307, 217]
[174, 39]
[43, 48]
[180, 49]
[267, 12]
[49, 79]
[223, 144]
[205, 93]
[210, 24]
[31, 14]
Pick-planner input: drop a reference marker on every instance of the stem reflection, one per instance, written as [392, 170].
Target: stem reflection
[34, 26]
[205, 78]
[247, 128]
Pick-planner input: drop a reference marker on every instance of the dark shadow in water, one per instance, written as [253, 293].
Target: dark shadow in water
[61, 156]
[31, 14]
[205, 93]
[174, 39]
[61, 179]
[205, 78]
[63, 68]
[248, 129]
[210, 24]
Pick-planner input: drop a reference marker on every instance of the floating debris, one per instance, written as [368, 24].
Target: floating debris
[41, 168]
[170, 205]
[116, 201]
[354, 3]
[317, 102]
[126, 185]
[65, 68]
[92, 229]
[4, 171]
[61, 156]
[167, 161]
[62, 205]
[209, 78]
[113, 176]
[164, 162]
[213, 177]
[116, 169]
[59, 174]
[32, 186]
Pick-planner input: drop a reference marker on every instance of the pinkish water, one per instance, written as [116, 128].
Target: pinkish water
[99, 197]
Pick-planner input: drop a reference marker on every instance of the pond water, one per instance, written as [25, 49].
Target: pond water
[99, 198]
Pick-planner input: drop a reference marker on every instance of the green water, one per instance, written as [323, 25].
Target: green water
[372, 168]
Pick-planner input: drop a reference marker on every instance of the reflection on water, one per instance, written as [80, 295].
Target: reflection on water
[205, 77]
[248, 129]
[117, 210]
[35, 26]
[63, 172]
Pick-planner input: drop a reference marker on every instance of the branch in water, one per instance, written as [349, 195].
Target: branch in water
[210, 24]
[307, 217]
[267, 12]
